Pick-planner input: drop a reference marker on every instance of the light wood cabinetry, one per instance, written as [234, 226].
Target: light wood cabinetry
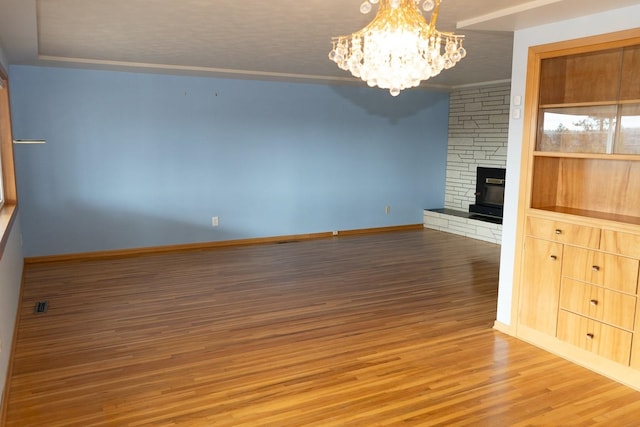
[579, 214]
[599, 303]
[621, 243]
[563, 232]
[615, 272]
[630, 81]
[597, 337]
[542, 270]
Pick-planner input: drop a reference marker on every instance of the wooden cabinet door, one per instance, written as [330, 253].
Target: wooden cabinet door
[540, 289]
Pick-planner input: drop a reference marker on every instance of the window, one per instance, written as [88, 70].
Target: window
[8, 194]
[3, 89]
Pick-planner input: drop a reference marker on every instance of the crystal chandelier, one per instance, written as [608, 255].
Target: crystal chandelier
[399, 48]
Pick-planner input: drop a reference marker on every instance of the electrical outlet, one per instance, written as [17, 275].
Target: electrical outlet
[387, 209]
[215, 221]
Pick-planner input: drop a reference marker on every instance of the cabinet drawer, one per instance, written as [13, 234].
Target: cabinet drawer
[621, 243]
[611, 271]
[604, 340]
[564, 232]
[598, 303]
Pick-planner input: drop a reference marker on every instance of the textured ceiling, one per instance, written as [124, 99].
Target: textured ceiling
[276, 39]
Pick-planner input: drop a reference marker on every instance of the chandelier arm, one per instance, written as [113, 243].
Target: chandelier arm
[434, 17]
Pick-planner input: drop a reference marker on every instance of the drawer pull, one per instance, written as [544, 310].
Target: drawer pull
[595, 268]
[594, 302]
[553, 258]
[590, 336]
[558, 231]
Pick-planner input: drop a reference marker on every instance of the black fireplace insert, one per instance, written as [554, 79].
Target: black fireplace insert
[489, 192]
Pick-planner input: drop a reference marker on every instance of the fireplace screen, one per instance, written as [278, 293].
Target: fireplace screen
[489, 192]
[494, 194]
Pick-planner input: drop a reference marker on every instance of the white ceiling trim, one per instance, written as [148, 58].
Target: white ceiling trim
[190, 68]
[211, 71]
[539, 12]
[503, 13]
[489, 83]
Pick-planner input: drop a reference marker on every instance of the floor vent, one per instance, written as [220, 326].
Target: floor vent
[41, 307]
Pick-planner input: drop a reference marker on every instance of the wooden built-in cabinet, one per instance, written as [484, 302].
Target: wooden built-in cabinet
[541, 272]
[578, 261]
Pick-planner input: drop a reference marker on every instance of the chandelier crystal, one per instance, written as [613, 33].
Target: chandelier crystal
[399, 48]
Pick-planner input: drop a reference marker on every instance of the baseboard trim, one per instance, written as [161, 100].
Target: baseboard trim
[125, 253]
[4, 401]
[358, 231]
[502, 327]
[588, 360]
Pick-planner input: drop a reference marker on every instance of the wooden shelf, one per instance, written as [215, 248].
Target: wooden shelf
[595, 156]
[589, 184]
[589, 104]
[580, 104]
[590, 214]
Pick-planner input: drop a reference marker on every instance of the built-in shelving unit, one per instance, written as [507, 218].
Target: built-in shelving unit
[587, 152]
[579, 222]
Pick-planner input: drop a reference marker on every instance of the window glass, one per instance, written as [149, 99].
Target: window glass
[629, 135]
[577, 129]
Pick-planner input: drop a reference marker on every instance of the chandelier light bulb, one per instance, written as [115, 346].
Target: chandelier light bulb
[398, 49]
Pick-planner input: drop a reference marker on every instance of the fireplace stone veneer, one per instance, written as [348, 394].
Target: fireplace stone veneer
[463, 224]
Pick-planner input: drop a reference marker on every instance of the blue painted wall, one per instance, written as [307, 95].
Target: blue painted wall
[137, 160]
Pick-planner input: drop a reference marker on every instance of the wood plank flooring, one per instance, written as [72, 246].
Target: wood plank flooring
[373, 330]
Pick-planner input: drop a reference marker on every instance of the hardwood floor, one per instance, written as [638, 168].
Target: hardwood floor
[373, 330]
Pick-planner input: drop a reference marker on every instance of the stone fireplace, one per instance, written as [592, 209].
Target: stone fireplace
[478, 132]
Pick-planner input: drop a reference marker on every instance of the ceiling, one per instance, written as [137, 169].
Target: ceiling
[260, 39]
